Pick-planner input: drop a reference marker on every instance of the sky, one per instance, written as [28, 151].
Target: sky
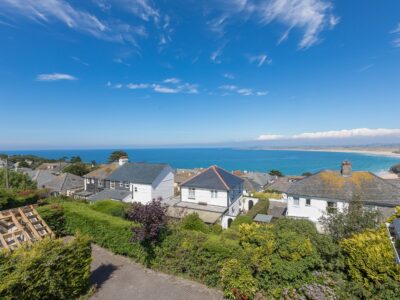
[141, 73]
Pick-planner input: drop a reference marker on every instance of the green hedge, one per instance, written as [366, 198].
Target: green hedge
[48, 269]
[261, 207]
[11, 199]
[110, 207]
[107, 231]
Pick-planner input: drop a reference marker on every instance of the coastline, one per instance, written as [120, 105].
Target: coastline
[385, 153]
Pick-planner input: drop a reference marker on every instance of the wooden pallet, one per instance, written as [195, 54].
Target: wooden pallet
[22, 225]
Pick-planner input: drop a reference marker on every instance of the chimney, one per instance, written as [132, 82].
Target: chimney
[346, 169]
[122, 160]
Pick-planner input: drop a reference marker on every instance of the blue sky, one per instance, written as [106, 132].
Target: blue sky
[108, 73]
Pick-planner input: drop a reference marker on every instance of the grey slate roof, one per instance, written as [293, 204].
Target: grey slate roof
[64, 182]
[109, 194]
[260, 178]
[40, 176]
[214, 178]
[251, 185]
[396, 227]
[332, 185]
[281, 184]
[263, 218]
[144, 173]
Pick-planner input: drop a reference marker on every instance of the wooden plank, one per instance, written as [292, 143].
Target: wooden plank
[33, 229]
[3, 242]
[44, 224]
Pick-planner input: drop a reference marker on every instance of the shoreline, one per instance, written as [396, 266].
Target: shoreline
[384, 153]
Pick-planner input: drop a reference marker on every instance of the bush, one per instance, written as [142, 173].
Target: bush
[107, 231]
[111, 207]
[16, 180]
[261, 207]
[243, 219]
[193, 222]
[54, 216]
[12, 199]
[370, 260]
[48, 269]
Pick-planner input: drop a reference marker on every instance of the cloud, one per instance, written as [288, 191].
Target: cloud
[78, 60]
[336, 134]
[215, 56]
[55, 77]
[396, 32]
[172, 80]
[260, 59]
[241, 91]
[229, 76]
[168, 86]
[310, 17]
[365, 68]
[46, 12]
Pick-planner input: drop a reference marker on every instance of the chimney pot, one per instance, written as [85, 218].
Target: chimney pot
[346, 169]
[122, 160]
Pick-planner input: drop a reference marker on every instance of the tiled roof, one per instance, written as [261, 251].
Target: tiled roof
[102, 171]
[64, 182]
[251, 185]
[109, 194]
[281, 184]
[144, 173]
[214, 178]
[40, 176]
[260, 178]
[332, 185]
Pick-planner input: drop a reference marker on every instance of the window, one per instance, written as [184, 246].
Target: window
[93, 180]
[135, 189]
[127, 185]
[331, 207]
[296, 201]
[100, 183]
[112, 184]
[308, 202]
[214, 194]
[192, 193]
[121, 184]
[87, 180]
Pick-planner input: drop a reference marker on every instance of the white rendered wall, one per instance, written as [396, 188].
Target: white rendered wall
[163, 186]
[204, 195]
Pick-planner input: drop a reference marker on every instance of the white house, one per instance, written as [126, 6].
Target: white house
[144, 181]
[315, 195]
[215, 190]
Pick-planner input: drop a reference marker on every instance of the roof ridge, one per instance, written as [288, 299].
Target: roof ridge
[195, 176]
[220, 177]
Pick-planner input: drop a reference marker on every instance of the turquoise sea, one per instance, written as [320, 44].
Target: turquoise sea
[288, 162]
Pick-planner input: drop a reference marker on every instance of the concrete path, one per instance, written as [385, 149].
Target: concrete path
[119, 278]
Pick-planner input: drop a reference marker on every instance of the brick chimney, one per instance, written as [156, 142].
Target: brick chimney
[123, 160]
[346, 169]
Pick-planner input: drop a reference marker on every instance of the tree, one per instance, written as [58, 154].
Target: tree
[395, 169]
[23, 164]
[307, 174]
[276, 173]
[75, 159]
[152, 220]
[17, 181]
[354, 219]
[116, 155]
[78, 169]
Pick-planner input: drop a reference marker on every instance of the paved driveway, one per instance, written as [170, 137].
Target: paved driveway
[119, 278]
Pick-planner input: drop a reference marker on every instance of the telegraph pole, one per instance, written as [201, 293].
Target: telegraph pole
[6, 174]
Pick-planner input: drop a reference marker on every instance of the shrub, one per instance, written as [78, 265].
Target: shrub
[261, 207]
[193, 222]
[54, 216]
[237, 280]
[16, 180]
[243, 219]
[11, 199]
[107, 231]
[370, 260]
[48, 269]
[110, 207]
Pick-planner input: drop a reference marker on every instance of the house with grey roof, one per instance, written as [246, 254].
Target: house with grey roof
[214, 190]
[65, 184]
[42, 177]
[96, 180]
[143, 181]
[117, 195]
[55, 167]
[315, 195]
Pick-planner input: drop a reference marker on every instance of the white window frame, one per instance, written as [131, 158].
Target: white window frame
[296, 201]
[127, 185]
[308, 199]
[192, 193]
[88, 180]
[112, 185]
[135, 189]
[214, 193]
[92, 180]
[100, 182]
[121, 184]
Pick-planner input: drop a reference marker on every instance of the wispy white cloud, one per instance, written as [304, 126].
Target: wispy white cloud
[396, 33]
[55, 77]
[365, 68]
[167, 86]
[215, 56]
[241, 91]
[260, 59]
[336, 134]
[46, 12]
[217, 25]
[309, 16]
[229, 75]
[78, 60]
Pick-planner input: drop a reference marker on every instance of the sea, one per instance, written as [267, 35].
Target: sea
[289, 162]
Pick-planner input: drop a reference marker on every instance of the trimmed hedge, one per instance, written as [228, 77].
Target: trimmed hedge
[107, 231]
[48, 269]
[11, 199]
[261, 207]
[110, 207]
